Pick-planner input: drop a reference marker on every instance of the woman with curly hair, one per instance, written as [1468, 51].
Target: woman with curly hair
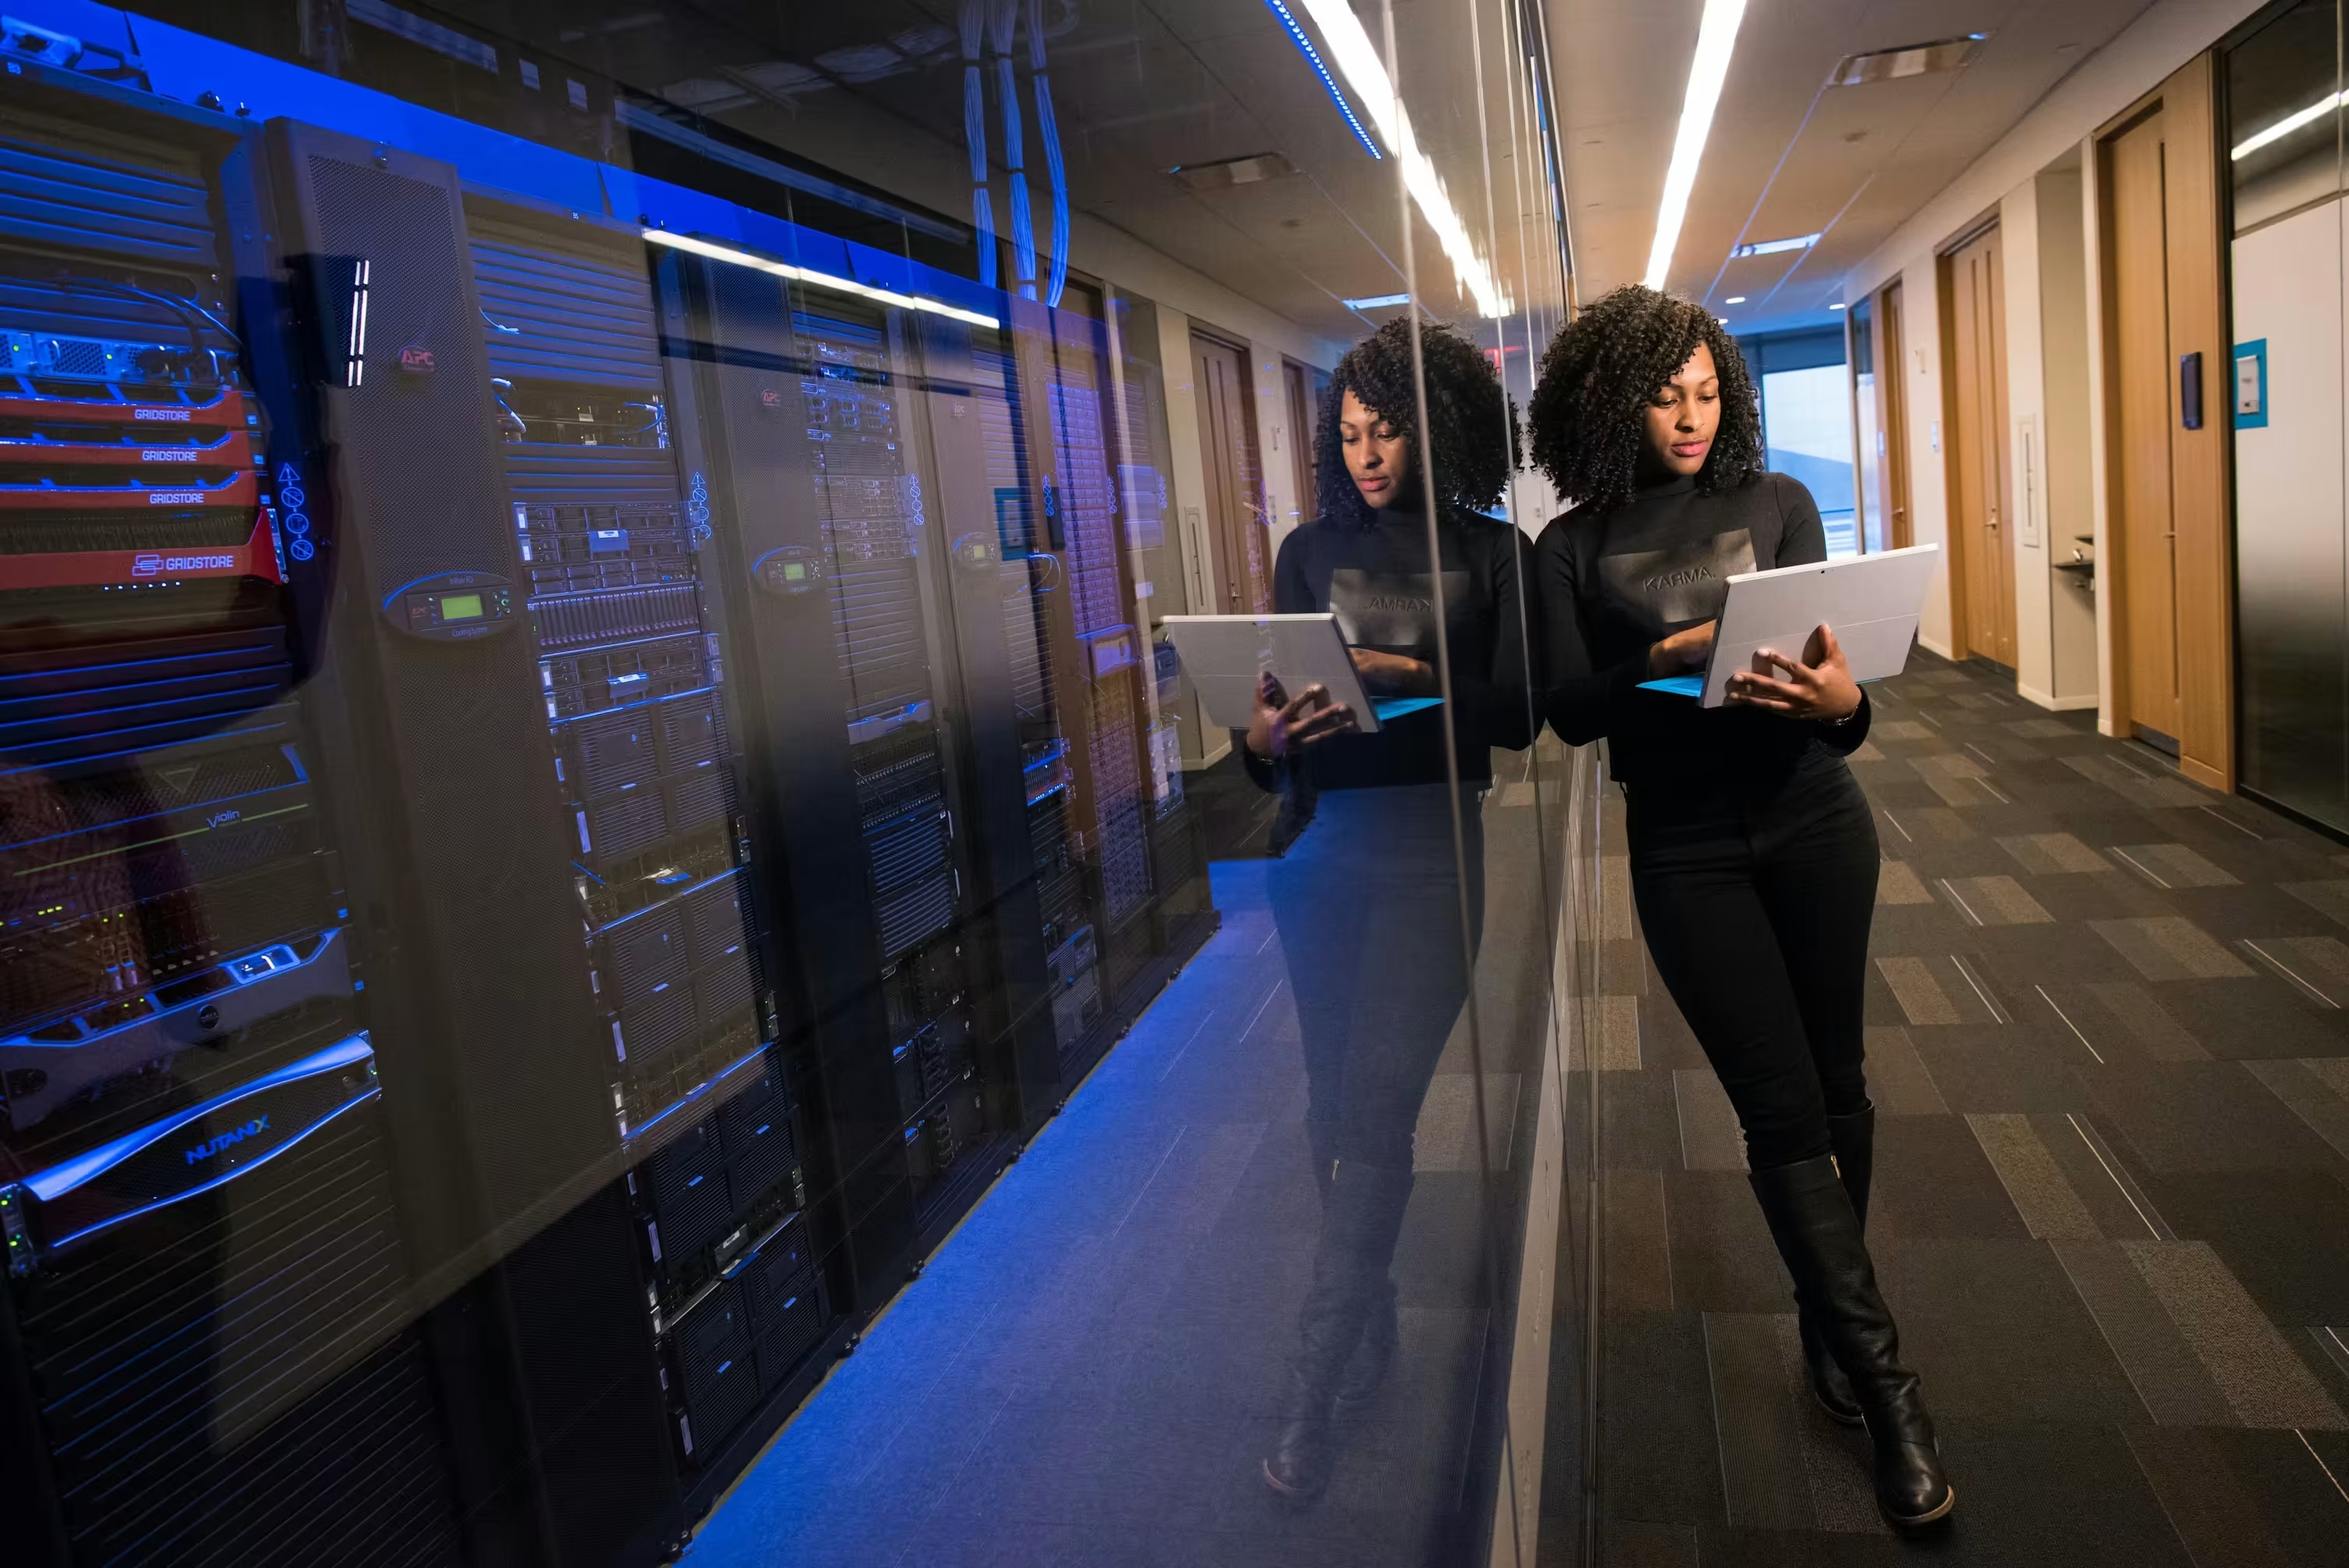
[1753, 853]
[1367, 896]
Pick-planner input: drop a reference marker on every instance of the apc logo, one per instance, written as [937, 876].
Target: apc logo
[227, 1141]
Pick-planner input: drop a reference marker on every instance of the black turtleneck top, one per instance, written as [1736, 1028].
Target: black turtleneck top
[1611, 586]
[1376, 580]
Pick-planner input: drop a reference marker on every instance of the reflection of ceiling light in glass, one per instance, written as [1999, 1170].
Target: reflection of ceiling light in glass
[1716, 38]
[1249, 170]
[2286, 125]
[1376, 301]
[1908, 60]
[1776, 247]
[1313, 57]
[1359, 63]
[717, 253]
[1734, 299]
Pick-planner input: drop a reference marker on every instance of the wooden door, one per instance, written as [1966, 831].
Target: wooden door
[1303, 386]
[1892, 386]
[1228, 454]
[2142, 517]
[1981, 536]
[2168, 542]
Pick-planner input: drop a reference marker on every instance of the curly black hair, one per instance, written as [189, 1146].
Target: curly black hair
[1471, 423]
[1596, 379]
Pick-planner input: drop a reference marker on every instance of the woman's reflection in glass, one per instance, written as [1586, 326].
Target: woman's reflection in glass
[1367, 896]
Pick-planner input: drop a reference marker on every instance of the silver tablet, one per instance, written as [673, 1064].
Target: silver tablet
[1872, 602]
[1225, 655]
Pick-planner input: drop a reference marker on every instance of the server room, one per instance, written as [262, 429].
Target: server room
[624, 938]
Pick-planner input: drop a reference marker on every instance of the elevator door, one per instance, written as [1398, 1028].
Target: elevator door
[1228, 452]
[2145, 520]
[1978, 468]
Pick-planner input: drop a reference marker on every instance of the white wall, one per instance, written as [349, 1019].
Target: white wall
[1929, 496]
[2092, 245]
[2068, 435]
[2024, 508]
[2168, 34]
[2048, 502]
[2165, 36]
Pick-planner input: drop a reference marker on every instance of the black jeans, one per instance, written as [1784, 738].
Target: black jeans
[1756, 903]
[1367, 902]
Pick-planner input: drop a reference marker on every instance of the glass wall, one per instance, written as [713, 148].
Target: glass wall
[638, 916]
[2284, 391]
[1807, 422]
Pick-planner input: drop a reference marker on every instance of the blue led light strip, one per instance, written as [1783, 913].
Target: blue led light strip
[1313, 57]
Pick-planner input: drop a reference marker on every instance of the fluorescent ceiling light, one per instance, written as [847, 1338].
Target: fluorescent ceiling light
[1716, 39]
[1776, 247]
[1734, 299]
[1838, 306]
[1313, 57]
[1359, 63]
[2285, 127]
[814, 279]
[1375, 301]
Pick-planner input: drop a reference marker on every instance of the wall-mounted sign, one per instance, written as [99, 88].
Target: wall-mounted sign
[2252, 384]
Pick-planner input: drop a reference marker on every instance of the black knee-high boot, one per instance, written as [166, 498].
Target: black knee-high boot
[1812, 1221]
[1359, 1223]
[1854, 1140]
[1374, 1353]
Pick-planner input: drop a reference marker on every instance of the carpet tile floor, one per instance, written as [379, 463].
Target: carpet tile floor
[2108, 1038]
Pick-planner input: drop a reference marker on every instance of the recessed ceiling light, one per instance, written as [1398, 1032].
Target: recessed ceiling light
[1774, 247]
[1734, 299]
[1722, 319]
[1716, 40]
[1908, 60]
[1229, 171]
[1838, 306]
[1376, 301]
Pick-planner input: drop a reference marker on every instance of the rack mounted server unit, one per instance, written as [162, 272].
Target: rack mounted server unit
[564, 808]
[202, 1353]
[633, 657]
[850, 692]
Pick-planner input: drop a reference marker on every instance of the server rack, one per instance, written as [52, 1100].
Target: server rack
[511, 935]
[849, 691]
[206, 1357]
[433, 694]
[632, 660]
[1131, 832]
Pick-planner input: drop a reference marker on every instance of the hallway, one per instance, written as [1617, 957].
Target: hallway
[2107, 1038]
[1089, 1370]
